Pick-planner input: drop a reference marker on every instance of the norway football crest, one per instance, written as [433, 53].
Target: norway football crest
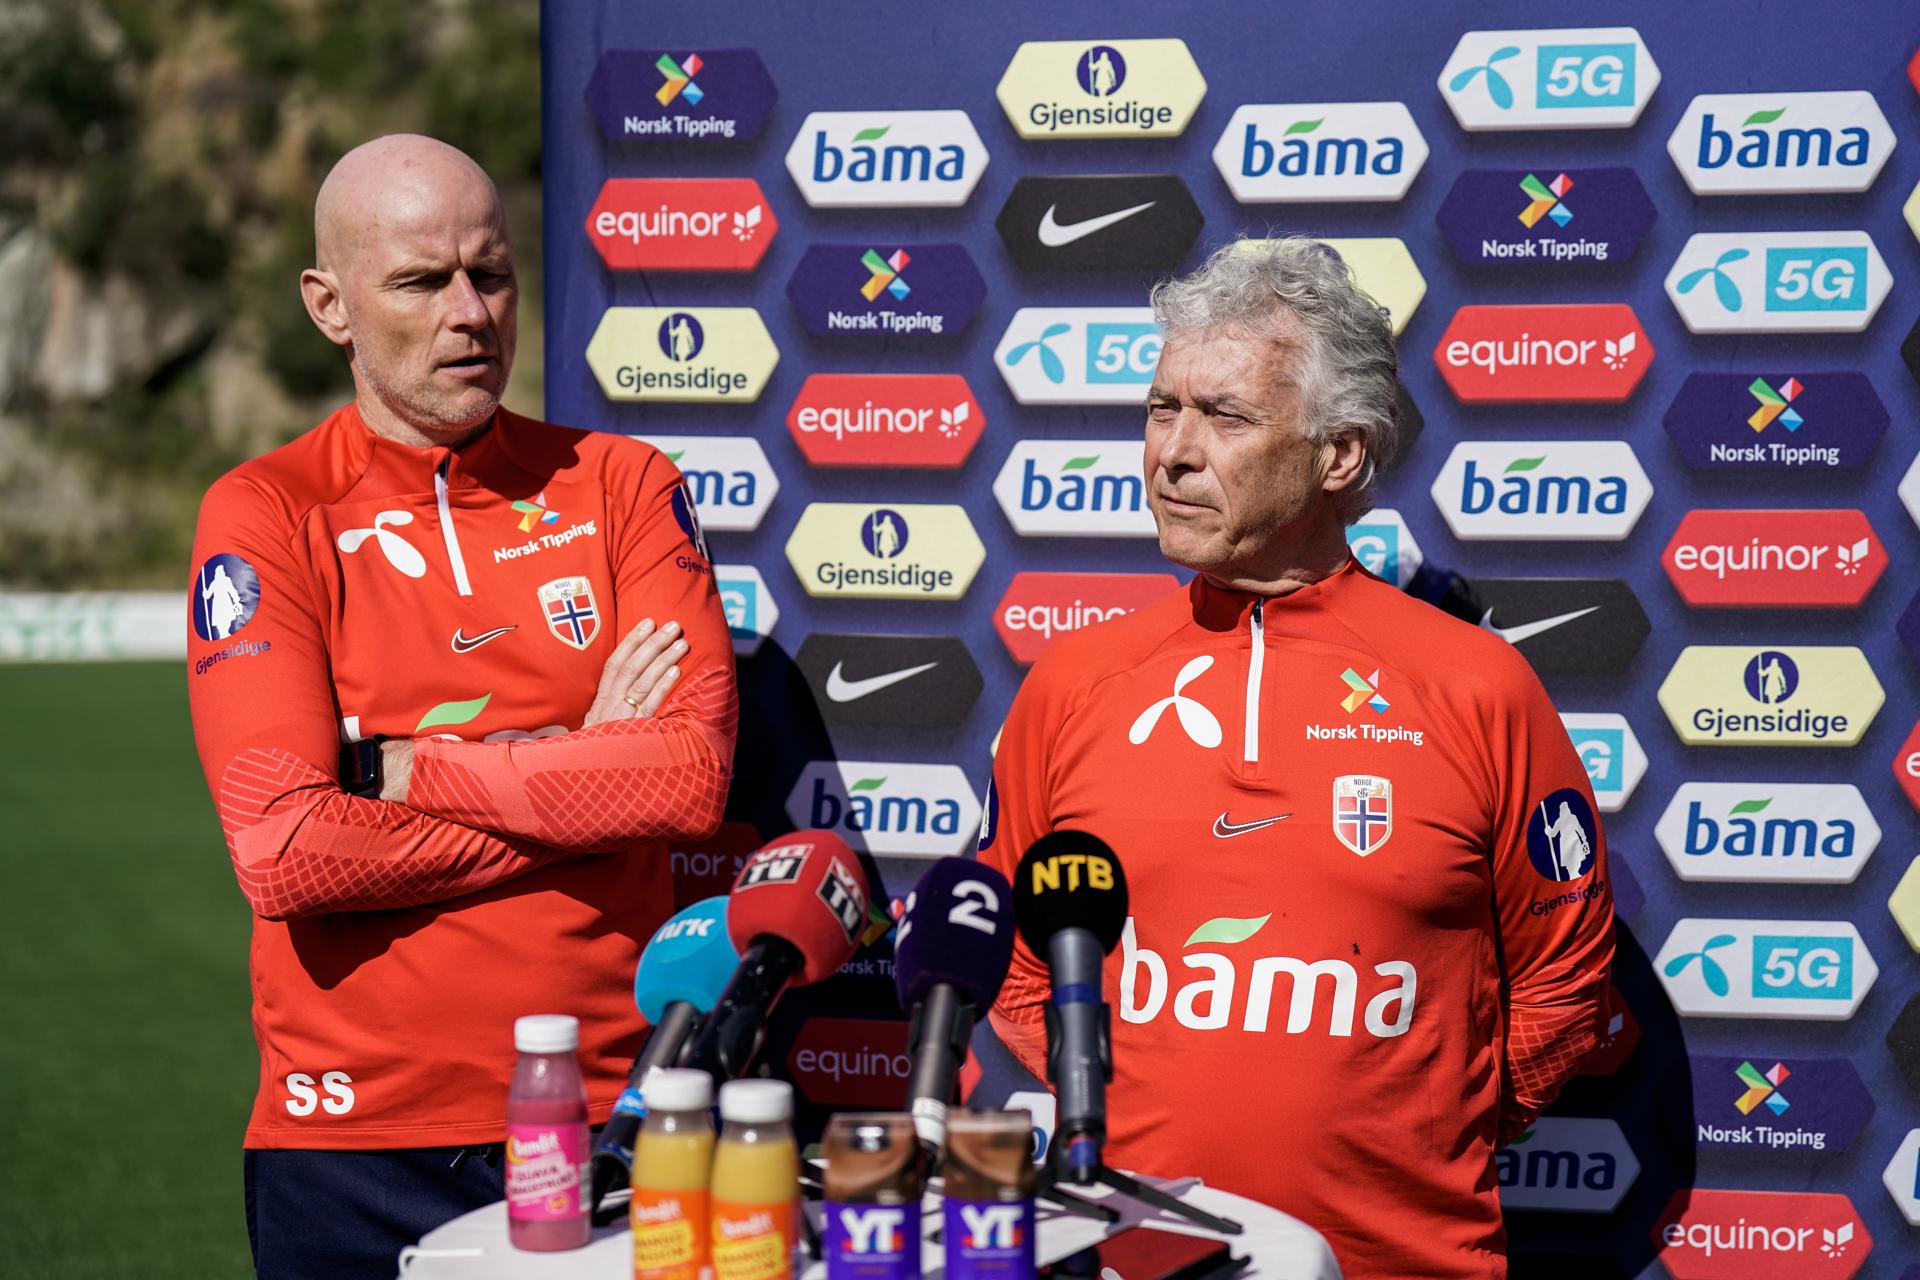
[1362, 811]
[570, 611]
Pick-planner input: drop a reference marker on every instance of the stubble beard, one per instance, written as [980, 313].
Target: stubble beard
[419, 405]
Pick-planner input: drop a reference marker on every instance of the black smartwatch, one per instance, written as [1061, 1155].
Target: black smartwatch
[360, 768]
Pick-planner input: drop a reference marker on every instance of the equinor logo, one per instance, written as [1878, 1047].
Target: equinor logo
[1321, 996]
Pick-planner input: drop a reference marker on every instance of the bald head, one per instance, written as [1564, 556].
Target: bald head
[414, 275]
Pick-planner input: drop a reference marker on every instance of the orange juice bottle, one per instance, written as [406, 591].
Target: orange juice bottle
[672, 1161]
[756, 1182]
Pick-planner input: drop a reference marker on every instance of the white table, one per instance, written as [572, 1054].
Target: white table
[1279, 1246]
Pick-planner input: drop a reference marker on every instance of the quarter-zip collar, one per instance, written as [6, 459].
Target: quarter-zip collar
[394, 468]
[1225, 609]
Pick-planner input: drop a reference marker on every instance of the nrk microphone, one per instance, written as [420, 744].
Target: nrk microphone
[682, 972]
[950, 955]
[797, 911]
[1070, 903]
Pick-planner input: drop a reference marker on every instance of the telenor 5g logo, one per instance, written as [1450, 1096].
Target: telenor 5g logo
[1779, 282]
[1808, 969]
[1566, 78]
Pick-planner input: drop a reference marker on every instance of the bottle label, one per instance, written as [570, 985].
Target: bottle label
[872, 1241]
[669, 1233]
[989, 1239]
[753, 1241]
[544, 1163]
[631, 1102]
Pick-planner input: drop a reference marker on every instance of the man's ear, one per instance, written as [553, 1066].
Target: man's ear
[325, 306]
[1347, 462]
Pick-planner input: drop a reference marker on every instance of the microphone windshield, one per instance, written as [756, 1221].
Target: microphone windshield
[807, 888]
[958, 929]
[690, 958]
[1069, 880]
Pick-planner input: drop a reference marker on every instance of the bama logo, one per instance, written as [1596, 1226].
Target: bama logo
[1780, 143]
[886, 159]
[1816, 970]
[1563, 78]
[886, 290]
[1566, 1164]
[1794, 558]
[681, 95]
[751, 612]
[1711, 1234]
[706, 354]
[1079, 355]
[1101, 89]
[1611, 754]
[886, 420]
[1776, 421]
[1763, 1104]
[731, 480]
[681, 224]
[1545, 218]
[1318, 997]
[850, 1062]
[1076, 489]
[1320, 151]
[905, 810]
[1779, 282]
[1385, 546]
[1589, 490]
[1574, 353]
[907, 551]
[1039, 608]
[1768, 832]
[1749, 696]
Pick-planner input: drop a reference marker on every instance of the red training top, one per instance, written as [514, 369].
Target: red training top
[1371, 926]
[347, 586]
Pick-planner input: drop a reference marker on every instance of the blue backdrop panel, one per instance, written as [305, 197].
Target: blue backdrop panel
[850, 56]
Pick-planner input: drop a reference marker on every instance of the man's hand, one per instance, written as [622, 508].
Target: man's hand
[639, 673]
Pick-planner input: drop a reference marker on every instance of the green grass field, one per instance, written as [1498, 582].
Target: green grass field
[127, 1063]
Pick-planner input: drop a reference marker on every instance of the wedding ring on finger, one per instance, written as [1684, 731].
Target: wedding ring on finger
[631, 701]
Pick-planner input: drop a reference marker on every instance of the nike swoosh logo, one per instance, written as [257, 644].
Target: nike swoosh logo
[467, 644]
[1053, 235]
[1224, 830]
[841, 689]
[1527, 630]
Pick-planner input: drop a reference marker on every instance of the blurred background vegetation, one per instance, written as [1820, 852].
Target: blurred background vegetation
[158, 163]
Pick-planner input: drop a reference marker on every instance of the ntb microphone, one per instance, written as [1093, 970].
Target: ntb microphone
[683, 969]
[1070, 904]
[797, 911]
[950, 955]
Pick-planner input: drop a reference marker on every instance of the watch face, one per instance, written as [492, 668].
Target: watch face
[360, 767]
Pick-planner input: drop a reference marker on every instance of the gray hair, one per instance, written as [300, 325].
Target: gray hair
[1279, 289]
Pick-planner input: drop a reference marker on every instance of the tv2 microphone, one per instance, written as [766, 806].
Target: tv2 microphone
[797, 912]
[682, 971]
[1070, 905]
[950, 955]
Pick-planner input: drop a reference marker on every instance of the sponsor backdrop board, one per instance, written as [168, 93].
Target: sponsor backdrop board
[1522, 168]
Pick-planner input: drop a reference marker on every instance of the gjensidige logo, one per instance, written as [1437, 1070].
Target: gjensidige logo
[887, 291]
[906, 551]
[1794, 558]
[681, 224]
[1101, 89]
[1320, 151]
[660, 353]
[1568, 352]
[886, 159]
[1807, 969]
[1776, 421]
[1083, 489]
[1564, 78]
[1584, 490]
[1779, 282]
[886, 419]
[1762, 832]
[1547, 218]
[1740, 696]
[1780, 143]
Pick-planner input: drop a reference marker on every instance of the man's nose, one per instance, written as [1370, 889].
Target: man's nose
[1181, 447]
[466, 309]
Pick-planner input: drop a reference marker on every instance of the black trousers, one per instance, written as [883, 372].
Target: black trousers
[344, 1215]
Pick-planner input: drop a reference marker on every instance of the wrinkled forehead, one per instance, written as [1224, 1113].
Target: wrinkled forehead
[427, 216]
[1234, 362]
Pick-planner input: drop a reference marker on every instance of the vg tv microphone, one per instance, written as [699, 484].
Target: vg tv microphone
[950, 955]
[797, 911]
[1070, 905]
[682, 971]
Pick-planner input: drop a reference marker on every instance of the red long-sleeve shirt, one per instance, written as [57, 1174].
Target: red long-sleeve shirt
[1370, 925]
[347, 587]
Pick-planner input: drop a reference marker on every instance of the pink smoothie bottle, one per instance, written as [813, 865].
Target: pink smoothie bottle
[547, 1149]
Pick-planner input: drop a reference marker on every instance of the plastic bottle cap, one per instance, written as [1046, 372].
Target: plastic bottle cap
[546, 1033]
[675, 1089]
[756, 1101]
